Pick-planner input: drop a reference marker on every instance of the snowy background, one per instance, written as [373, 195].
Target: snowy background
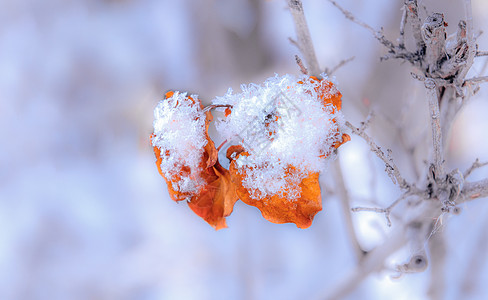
[84, 213]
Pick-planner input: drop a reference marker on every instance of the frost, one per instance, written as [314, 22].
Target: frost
[179, 132]
[286, 129]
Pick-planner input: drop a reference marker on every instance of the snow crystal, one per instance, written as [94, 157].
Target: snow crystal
[281, 123]
[179, 132]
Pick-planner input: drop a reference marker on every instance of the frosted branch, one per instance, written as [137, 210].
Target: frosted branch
[391, 168]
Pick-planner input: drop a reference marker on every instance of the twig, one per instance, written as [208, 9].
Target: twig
[295, 43]
[470, 43]
[474, 166]
[377, 34]
[476, 80]
[303, 36]
[403, 22]
[436, 127]
[339, 65]
[391, 168]
[213, 106]
[413, 15]
[365, 124]
[481, 53]
[300, 64]
[474, 190]
[386, 210]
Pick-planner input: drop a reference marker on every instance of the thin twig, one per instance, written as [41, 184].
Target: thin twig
[303, 36]
[386, 210]
[474, 190]
[339, 65]
[482, 53]
[474, 166]
[391, 168]
[377, 34]
[300, 65]
[480, 79]
[403, 22]
[470, 43]
[213, 106]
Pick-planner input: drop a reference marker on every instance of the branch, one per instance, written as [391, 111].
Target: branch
[377, 34]
[481, 53]
[391, 168]
[469, 41]
[411, 7]
[300, 65]
[403, 22]
[303, 36]
[480, 79]
[474, 190]
[436, 127]
[210, 107]
[339, 65]
[474, 166]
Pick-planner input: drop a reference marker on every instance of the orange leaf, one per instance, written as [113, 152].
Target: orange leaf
[216, 197]
[279, 208]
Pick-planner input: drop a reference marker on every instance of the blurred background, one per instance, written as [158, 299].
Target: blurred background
[84, 213]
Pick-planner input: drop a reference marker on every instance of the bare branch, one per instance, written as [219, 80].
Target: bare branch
[474, 166]
[303, 36]
[391, 168]
[387, 210]
[481, 53]
[339, 65]
[377, 34]
[403, 22]
[213, 106]
[436, 127]
[300, 64]
[481, 79]
[470, 41]
[474, 190]
[434, 35]
[411, 8]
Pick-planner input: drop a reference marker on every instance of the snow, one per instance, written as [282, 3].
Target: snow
[179, 133]
[281, 123]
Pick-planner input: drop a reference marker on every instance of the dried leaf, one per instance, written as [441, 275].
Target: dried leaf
[279, 208]
[216, 197]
